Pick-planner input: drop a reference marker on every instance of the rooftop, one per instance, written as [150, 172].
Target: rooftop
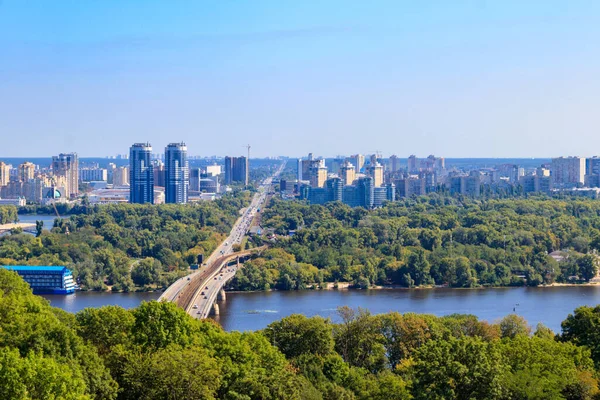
[45, 268]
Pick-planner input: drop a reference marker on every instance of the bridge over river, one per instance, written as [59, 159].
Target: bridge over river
[199, 296]
[197, 292]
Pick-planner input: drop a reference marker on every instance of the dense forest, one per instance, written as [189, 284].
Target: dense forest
[429, 240]
[157, 351]
[126, 246]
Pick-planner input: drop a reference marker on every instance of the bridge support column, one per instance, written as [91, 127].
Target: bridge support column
[238, 261]
[215, 308]
[221, 296]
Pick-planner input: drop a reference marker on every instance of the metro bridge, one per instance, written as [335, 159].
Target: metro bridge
[198, 292]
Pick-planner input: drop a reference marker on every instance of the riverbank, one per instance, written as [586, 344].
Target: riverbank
[349, 286]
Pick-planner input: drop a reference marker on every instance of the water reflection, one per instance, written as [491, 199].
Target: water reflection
[251, 311]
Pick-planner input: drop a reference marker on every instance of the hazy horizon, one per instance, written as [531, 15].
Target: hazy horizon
[456, 79]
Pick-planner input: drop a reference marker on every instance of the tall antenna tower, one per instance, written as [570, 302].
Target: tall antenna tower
[247, 163]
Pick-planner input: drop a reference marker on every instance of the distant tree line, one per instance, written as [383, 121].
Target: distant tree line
[429, 240]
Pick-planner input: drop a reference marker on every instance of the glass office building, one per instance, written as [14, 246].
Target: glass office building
[141, 174]
[177, 173]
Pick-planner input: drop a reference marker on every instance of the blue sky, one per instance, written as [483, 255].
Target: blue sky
[453, 78]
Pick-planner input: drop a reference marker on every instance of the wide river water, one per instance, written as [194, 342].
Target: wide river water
[251, 311]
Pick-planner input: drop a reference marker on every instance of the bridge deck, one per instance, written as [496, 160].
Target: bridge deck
[187, 295]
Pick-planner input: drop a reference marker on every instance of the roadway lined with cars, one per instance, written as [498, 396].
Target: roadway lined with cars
[186, 291]
[205, 301]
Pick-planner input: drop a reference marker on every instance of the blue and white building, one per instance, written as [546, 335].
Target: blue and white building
[46, 279]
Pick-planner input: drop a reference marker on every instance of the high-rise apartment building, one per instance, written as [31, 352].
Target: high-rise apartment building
[121, 176]
[93, 174]
[317, 173]
[366, 192]
[141, 174]
[236, 170]
[305, 167]
[4, 173]
[466, 185]
[213, 170]
[26, 171]
[375, 171]
[195, 175]
[383, 194]
[348, 173]
[592, 166]
[536, 183]
[411, 186]
[299, 171]
[158, 168]
[394, 163]
[66, 165]
[432, 163]
[358, 160]
[177, 173]
[337, 163]
[413, 164]
[567, 172]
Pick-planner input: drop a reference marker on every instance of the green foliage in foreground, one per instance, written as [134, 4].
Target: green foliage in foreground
[127, 245]
[156, 351]
[430, 240]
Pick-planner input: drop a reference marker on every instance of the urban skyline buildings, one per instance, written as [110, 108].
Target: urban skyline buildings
[141, 174]
[568, 171]
[66, 166]
[26, 171]
[177, 173]
[236, 170]
[4, 173]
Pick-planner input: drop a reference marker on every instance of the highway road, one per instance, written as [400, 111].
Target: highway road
[236, 236]
[203, 303]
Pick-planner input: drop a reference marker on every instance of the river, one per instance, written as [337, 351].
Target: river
[48, 220]
[252, 311]
[80, 300]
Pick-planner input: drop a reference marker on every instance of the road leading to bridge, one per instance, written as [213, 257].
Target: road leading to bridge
[185, 291]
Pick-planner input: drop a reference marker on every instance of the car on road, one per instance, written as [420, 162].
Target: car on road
[195, 306]
[202, 293]
[206, 297]
[199, 312]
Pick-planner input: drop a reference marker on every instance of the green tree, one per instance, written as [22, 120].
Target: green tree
[464, 368]
[145, 271]
[404, 333]
[297, 334]
[105, 327]
[582, 328]
[160, 324]
[588, 266]
[513, 325]
[358, 339]
[418, 267]
[39, 227]
[540, 368]
[171, 373]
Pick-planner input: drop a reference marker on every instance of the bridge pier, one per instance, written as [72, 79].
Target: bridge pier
[221, 296]
[215, 309]
[238, 261]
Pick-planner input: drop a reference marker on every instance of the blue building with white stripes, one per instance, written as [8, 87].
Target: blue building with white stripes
[45, 279]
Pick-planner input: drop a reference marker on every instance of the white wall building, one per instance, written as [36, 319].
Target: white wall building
[567, 172]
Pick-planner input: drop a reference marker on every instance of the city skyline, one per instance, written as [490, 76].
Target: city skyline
[503, 79]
